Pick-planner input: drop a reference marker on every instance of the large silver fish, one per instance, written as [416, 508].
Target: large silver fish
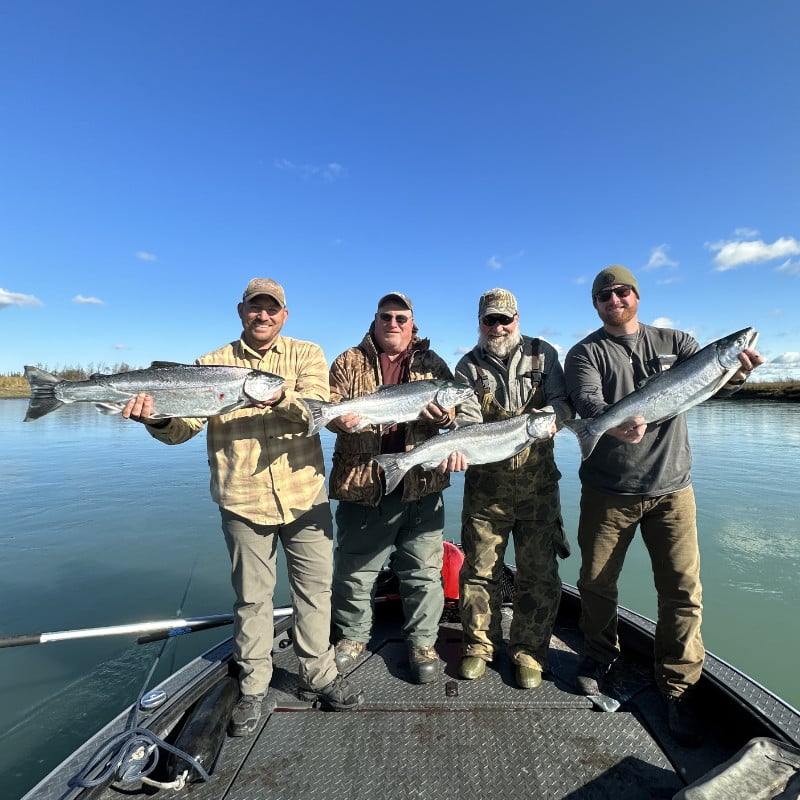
[388, 405]
[482, 443]
[671, 392]
[179, 390]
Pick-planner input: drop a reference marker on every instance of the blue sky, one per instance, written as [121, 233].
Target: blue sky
[157, 155]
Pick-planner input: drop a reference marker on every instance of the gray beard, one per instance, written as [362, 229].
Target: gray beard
[500, 348]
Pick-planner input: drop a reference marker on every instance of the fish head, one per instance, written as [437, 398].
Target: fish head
[453, 394]
[260, 386]
[729, 347]
[540, 424]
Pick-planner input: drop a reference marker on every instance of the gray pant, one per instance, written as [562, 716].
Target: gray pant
[307, 543]
[669, 531]
[364, 539]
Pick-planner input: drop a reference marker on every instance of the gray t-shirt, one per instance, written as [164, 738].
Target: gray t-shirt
[602, 369]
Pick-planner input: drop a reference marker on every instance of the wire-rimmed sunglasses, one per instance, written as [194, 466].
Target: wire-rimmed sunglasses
[400, 319]
[620, 291]
[490, 320]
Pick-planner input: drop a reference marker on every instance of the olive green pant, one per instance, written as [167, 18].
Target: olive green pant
[498, 504]
[365, 537]
[307, 544]
[669, 531]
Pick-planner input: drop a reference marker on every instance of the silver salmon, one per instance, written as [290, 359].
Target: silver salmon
[671, 392]
[388, 405]
[482, 443]
[178, 390]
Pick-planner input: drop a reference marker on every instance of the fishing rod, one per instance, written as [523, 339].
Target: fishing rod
[154, 630]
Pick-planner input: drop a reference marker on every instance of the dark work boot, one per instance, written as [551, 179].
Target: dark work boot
[338, 695]
[683, 724]
[246, 714]
[590, 677]
[424, 662]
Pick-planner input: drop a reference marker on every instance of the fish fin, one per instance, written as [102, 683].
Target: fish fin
[165, 364]
[43, 393]
[108, 408]
[392, 471]
[316, 414]
[586, 440]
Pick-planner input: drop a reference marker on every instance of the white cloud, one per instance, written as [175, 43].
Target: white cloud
[89, 301]
[733, 254]
[142, 255]
[328, 173]
[462, 351]
[659, 258]
[786, 358]
[664, 322]
[121, 347]
[494, 263]
[17, 299]
[790, 267]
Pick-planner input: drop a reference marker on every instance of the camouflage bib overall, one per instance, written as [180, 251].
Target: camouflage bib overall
[518, 496]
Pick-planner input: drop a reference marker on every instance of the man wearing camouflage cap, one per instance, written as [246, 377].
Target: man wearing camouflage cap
[512, 374]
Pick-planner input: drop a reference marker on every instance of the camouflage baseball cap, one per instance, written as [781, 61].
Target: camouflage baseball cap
[397, 297]
[266, 286]
[611, 276]
[497, 301]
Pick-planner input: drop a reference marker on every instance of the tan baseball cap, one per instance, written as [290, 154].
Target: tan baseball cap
[397, 297]
[266, 286]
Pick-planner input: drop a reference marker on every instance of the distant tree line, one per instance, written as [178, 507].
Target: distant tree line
[78, 373]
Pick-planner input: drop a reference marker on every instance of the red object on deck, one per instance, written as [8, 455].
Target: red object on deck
[452, 560]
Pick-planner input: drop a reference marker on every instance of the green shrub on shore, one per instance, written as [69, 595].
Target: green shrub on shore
[14, 385]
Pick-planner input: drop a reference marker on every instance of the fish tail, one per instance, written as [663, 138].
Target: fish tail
[392, 471]
[43, 393]
[586, 439]
[316, 415]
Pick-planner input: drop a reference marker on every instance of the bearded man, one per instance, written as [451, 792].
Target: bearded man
[512, 374]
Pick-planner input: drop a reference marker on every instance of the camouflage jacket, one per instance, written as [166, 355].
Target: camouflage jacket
[354, 476]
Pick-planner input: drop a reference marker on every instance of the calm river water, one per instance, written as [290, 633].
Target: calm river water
[102, 525]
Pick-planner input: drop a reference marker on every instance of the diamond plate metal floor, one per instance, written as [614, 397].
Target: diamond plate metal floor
[541, 753]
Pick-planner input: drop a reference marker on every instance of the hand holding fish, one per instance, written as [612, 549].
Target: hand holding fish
[140, 409]
[436, 414]
[631, 432]
[455, 462]
[750, 360]
[271, 401]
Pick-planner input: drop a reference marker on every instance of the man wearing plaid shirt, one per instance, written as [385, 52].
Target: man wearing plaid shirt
[268, 478]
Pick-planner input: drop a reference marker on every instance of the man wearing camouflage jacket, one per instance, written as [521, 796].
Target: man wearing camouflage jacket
[512, 374]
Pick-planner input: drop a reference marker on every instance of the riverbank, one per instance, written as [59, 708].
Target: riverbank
[15, 387]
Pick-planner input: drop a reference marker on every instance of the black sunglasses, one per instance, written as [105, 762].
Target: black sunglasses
[620, 291]
[490, 320]
[401, 319]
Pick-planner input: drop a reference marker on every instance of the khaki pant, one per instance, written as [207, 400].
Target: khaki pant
[307, 543]
[669, 531]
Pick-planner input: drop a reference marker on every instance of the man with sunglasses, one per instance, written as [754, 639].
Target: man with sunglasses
[370, 523]
[638, 475]
[512, 374]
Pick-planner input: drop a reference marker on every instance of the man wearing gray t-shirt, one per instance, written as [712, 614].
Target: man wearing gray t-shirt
[638, 475]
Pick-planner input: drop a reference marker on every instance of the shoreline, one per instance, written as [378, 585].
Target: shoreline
[776, 391]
